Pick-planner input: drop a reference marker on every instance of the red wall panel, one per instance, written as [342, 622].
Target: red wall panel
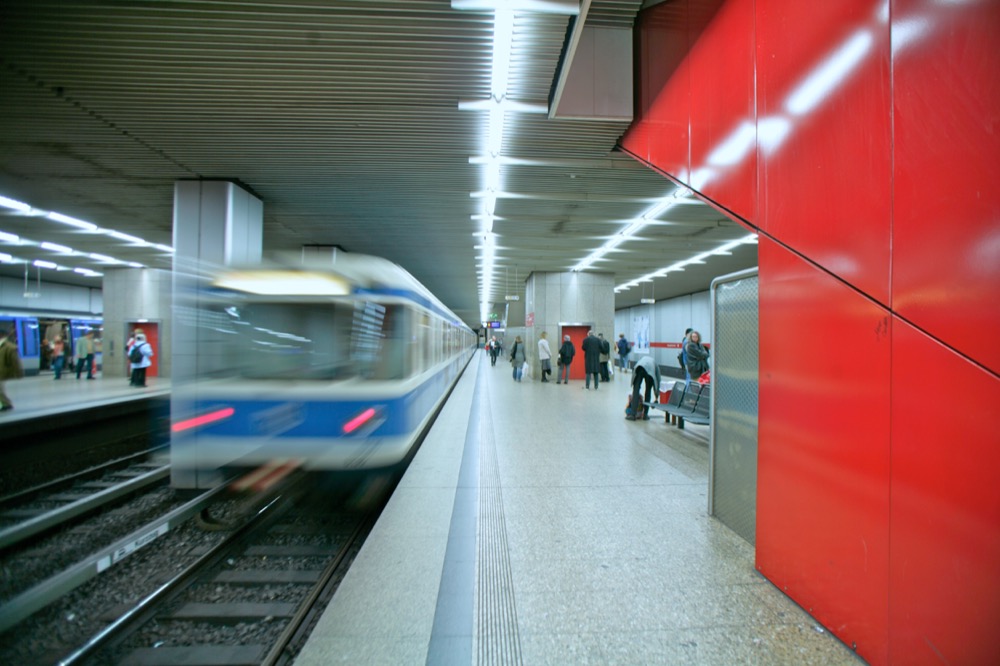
[946, 226]
[945, 522]
[823, 448]
[823, 76]
[661, 134]
[723, 123]
[878, 160]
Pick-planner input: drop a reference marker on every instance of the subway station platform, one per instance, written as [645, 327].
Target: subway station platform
[537, 526]
[42, 397]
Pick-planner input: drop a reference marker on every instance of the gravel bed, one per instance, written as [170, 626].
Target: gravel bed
[278, 563]
[60, 628]
[25, 567]
[175, 634]
[290, 593]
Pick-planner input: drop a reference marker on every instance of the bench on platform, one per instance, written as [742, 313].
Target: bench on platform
[687, 402]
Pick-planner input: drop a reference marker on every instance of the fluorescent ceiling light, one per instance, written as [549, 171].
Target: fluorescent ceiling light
[9, 238]
[72, 221]
[6, 258]
[125, 237]
[502, 104]
[135, 264]
[165, 248]
[13, 204]
[494, 139]
[44, 264]
[54, 247]
[103, 257]
[566, 7]
[503, 38]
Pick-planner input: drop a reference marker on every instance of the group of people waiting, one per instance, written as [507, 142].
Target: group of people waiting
[58, 352]
[693, 358]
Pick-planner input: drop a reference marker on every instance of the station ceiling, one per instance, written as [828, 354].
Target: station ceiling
[343, 117]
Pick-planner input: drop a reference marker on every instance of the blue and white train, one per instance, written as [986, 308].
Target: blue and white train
[332, 367]
[33, 330]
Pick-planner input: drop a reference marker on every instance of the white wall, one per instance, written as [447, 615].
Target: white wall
[667, 321]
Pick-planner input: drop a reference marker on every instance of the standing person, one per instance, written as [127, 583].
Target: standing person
[139, 355]
[623, 349]
[10, 366]
[682, 357]
[696, 356]
[517, 358]
[544, 357]
[58, 356]
[591, 359]
[566, 353]
[494, 348]
[85, 354]
[646, 372]
[605, 357]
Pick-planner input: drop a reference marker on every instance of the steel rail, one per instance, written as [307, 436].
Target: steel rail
[56, 587]
[29, 528]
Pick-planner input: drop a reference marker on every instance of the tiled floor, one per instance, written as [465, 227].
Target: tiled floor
[593, 546]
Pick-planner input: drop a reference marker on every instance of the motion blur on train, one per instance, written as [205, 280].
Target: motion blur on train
[332, 365]
[35, 332]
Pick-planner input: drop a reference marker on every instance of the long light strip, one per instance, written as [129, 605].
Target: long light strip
[724, 249]
[21, 207]
[14, 239]
[634, 227]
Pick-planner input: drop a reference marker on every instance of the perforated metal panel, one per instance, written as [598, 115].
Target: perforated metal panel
[733, 454]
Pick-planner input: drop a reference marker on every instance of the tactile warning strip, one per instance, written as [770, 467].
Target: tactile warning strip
[496, 636]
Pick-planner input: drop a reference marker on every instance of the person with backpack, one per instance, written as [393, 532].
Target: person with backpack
[624, 347]
[139, 355]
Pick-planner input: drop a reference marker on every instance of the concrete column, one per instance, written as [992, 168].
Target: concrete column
[554, 299]
[216, 223]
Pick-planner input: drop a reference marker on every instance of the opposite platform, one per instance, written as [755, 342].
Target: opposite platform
[537, 526]
[42, 396]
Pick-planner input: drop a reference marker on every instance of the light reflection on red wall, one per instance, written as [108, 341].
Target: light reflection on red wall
[860, 138]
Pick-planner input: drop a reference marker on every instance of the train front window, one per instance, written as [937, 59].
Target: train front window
[313, 341]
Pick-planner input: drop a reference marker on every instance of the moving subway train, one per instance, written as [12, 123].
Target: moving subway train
[334, 367]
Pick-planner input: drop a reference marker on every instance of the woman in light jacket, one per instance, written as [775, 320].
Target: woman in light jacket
[517, 358]
[545, 357]
[139, 369]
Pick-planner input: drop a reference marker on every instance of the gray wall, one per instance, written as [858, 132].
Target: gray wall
[53, 298]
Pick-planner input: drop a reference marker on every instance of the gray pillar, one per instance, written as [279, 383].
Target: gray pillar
[216, 223]
[553, 299]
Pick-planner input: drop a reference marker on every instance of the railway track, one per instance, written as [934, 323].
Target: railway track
[248, 599]
[36, 511]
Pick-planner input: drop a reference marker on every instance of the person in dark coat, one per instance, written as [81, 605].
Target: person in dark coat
[695, 356]
[566, 353]
[592, 358]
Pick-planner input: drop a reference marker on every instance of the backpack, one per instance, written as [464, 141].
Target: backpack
[136, 354]
[680, 359]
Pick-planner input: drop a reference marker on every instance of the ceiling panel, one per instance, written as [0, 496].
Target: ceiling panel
[342, 116]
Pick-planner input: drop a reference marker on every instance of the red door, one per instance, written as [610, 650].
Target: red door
[576, 335]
